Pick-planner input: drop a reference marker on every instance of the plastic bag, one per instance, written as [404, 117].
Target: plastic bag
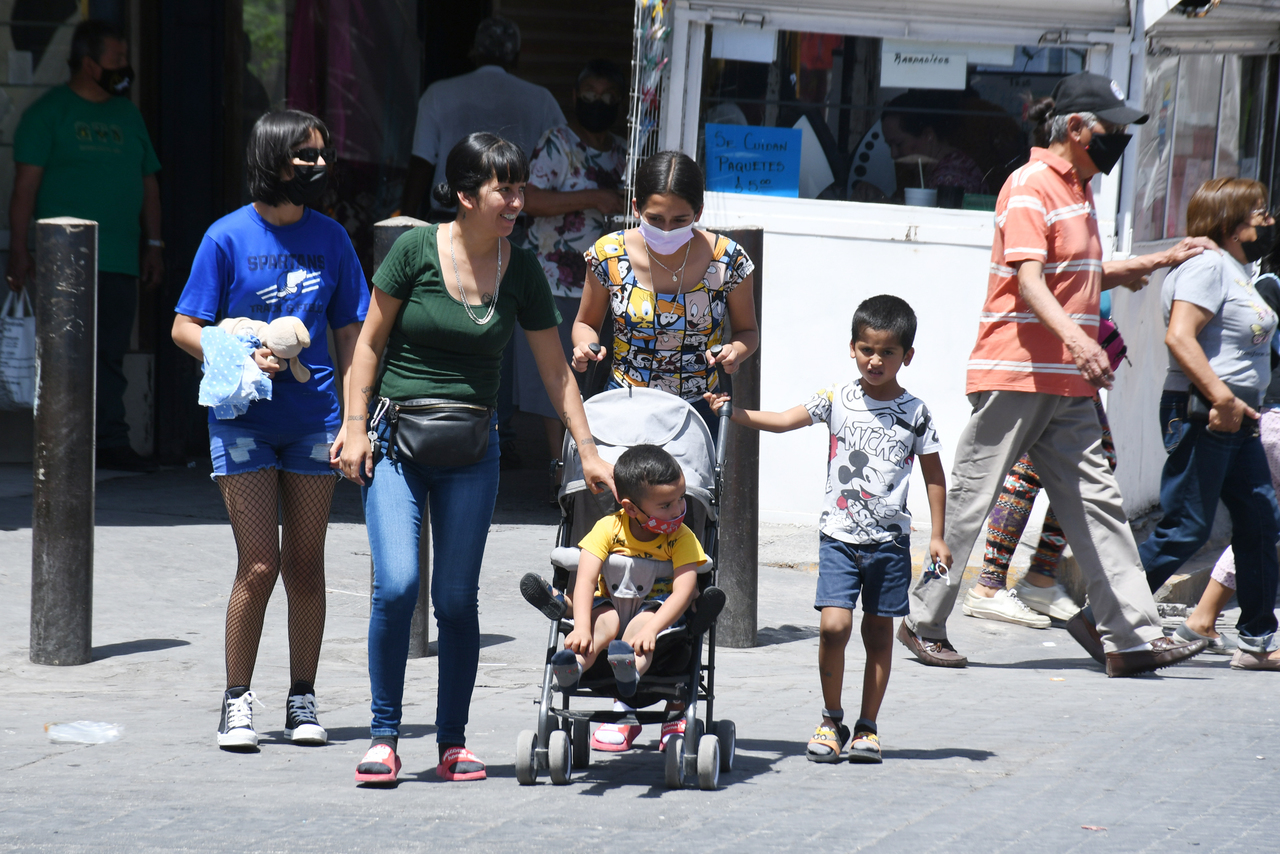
[17, 352]
[83, 732]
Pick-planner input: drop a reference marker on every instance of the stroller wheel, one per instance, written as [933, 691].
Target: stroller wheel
[527, 757]
[581, 741]
[558, 757]
[708, 763]
[675, 762]
[727, 732]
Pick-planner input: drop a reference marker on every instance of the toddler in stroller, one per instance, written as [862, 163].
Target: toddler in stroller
[627, 612]
[642, 600]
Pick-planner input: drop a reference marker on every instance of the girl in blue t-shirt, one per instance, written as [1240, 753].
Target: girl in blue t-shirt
[273, 258]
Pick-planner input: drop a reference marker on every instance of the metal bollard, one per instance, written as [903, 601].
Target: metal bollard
[739, 574]
[385, 234]
[66, 307]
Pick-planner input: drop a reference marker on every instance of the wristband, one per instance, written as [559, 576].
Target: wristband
[159, 244]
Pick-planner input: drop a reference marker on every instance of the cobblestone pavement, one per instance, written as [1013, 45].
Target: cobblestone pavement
[1030, 749]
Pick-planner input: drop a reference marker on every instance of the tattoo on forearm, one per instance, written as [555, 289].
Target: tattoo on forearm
[355, 418]
[587, 441]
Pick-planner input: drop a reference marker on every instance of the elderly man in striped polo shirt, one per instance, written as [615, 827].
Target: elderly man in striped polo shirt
[1031, 377]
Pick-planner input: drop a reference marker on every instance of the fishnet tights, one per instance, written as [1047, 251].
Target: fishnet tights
[260, 504]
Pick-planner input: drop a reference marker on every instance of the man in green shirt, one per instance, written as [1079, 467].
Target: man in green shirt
[82, 150]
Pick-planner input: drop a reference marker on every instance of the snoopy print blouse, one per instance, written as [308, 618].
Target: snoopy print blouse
[660, 341]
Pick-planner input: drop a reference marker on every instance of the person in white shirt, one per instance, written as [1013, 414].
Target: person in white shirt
[490, 99]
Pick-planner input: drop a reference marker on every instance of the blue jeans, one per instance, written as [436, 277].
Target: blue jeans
[881, 572]
[461, 500]
[1204, 466]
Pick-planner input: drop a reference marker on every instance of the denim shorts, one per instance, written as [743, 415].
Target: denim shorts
[237, 448]
[881, 572]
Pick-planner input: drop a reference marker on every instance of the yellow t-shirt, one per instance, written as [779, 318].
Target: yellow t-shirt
[612, 535]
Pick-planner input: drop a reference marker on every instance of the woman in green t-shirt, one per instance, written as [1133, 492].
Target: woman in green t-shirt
[445, 303]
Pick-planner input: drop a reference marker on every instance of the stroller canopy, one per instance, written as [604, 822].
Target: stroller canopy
[625, 417]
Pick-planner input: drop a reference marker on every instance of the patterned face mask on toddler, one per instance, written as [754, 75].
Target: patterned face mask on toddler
[664, 526]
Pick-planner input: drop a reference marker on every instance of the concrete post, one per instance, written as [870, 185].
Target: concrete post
[385, 234]
[739, 574]
[65, 294]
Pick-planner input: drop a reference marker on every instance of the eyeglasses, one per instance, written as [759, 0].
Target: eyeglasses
[311, 155]
[591, 97]
[1263, 213]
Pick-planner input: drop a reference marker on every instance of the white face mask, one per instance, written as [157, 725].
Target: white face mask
[665, 242]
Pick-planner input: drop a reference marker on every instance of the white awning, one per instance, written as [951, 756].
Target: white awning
[1020, 21]
[1235, 26]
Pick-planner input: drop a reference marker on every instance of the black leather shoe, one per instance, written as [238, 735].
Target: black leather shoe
[1163, 652]
[539, 594]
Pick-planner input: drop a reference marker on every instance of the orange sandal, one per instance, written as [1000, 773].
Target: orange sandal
[669, 729]
[629, 734]
[458, 763]
[379, 766]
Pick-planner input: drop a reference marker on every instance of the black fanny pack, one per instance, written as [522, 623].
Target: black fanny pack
[433, 431]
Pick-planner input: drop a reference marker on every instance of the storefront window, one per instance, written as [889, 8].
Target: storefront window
[1209, 119]
[874, 120]
[1195, 134]
[1156, 149]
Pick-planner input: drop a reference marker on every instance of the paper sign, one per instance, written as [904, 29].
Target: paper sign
[746, 44]
[913, 65]
[758, 160]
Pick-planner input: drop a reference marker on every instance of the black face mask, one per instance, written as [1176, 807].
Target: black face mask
[116, 81]
[595, 116]
[1256, 250]
[1106, 149]
[307, 185]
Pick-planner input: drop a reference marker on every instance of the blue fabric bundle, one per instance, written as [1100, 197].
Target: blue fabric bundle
[232, 379]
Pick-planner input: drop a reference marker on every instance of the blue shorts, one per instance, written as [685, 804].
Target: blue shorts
[881, 572]
[237, 448]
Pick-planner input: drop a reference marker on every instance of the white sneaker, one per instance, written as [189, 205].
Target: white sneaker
[1051, 601]
[235, 730]
[301, 726]
[1004, 606]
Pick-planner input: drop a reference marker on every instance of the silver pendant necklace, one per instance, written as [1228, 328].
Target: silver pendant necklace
[675, 274]
[492, 302]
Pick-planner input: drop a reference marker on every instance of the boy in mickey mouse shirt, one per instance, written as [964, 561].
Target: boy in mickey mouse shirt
[877, 430]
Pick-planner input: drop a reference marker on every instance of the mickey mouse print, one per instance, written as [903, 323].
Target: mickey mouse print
[874, 444]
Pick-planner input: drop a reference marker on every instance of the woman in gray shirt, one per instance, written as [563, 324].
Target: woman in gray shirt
[1219, 342]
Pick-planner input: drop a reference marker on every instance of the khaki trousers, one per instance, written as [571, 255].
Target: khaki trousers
[1064, 439]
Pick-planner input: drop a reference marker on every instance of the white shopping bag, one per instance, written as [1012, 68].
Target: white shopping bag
[17, 353]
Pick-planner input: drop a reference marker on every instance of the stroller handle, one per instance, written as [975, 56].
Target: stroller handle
[594, 348]
[724, 382]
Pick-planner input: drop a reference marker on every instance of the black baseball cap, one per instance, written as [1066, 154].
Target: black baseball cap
[1092, 93]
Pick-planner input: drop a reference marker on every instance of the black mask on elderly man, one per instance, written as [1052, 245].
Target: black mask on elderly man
[1106, 149]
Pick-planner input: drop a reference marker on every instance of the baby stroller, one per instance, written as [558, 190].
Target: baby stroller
[561, 743]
